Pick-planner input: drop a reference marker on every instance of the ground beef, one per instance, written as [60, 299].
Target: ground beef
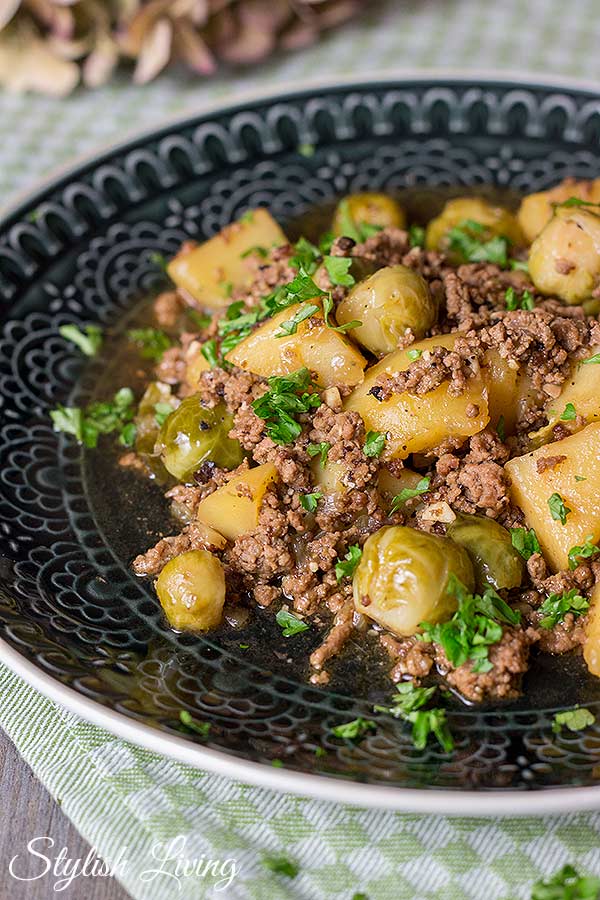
[153, 561]
[548, 462]
[167, 308]
[429, 371]
[412, 658]
[338, 635]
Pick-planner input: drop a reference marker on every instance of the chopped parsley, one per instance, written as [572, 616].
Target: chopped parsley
[501, 428]
[128, 435]
[580, 478]
[248, 216]
[159, 260]
[310, 502]
[473, 629]
[327, 309]
[286, 398]
[374, 443]
[567, 885]
[88, 341]
[573, 201]
[291, 325]
[593, 360]
[519, 265]
[556, 606]
[192, 725]
[151, 341]
[162, 411]
[406, 704]
[281, 865]
[105, 417]
[569, 413]
[321, 450]
[290, 624]
[582, 551]
[414, 354]
[469, 239]
[346, 567]
[338, 269]
[558, 509]
[354, 730]
[210, 353]
[525, 301]
[575, 719]
[306, 256]
[200, 320]
[306, 150]
[255, 251]
[416, 236]
[349, 227]
[325, 242]
[405, 494]
[525, 541]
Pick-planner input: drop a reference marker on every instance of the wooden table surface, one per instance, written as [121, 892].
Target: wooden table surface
[29, 811]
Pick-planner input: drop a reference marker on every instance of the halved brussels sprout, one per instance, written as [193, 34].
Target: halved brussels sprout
[402, 578]
[564, 259]
[495, 560]
[193, 434]
[191, 590]
[366, 209]
[387, 303]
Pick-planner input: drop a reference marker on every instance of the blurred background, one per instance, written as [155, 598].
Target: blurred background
[77, 74]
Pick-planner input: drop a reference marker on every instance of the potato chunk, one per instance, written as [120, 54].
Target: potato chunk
[415, 423]
[209, 271]
[591, 647]
[233, 509]
[531, 489]
[325, 352]
[581, 390]
[191, 589]
[536, 210]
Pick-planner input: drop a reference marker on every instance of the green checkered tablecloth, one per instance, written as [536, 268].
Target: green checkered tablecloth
[128, 802]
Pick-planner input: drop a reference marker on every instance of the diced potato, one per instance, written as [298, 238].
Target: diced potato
[509, 389]
[390, 485]
[209, 271]
[329, 479]
[532, 489]
[591, 647]
[195, 364]
[233, 509]
[415, 423]
[582, 390]
[191, 589]
[536, 210]
[325, 352]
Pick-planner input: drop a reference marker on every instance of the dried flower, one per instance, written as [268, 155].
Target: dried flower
[52, 45]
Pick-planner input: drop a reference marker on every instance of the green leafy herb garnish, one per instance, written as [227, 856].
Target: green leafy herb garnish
[358, 231]
[98, 418]
[128, 435]
[474, 627]
[248, 216]
[405, 494]
[519, 265]
[556, 606]
[573, 201]
[575, 719]
[327, 309]
[593, 360]
[325, 242]
[569, 413]
[310, 502]
[151, 341]
[191, 724]
[468, 240]
[159, 260]
[291, 325]
[306, 256]
[306, 150]
[345, 568]
[210, 353]
[414, 354]
[580, 478]
[582, 551]
[286, 398]
[354, 730]
[525, 541]
[416, 236]
[501, 429]
[406, 705]
[88, 341]
[321, 450]
[558, 509]
[281, 866]
[338, 269]
[374, 443]
[525, 301]
[162, 411]
[255, 251]
[290, 624]
[198, 319]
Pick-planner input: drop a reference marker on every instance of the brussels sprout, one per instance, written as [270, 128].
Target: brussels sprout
[564, 259]
[536, 210]
[191, 589]
[193, 434]
[147, 427]
[495, 560]
[387, 303]
[366, 209]
[496, 221]
[402, 578]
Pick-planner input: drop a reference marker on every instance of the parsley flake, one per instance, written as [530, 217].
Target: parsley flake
[151, 341]
[346, 567]
[569, 413]
[519, 265]
[556, 606]
[192, 725]
[501, 429]
[414, 354]
[286, 398]
[88, 341]
[310, 502]
[525, 541]
[582, 551]
[575, 719]
[291, 325]
[405, 494]
[101, 417]
[558, 509]
[321, 450]
[290, 624]
[338, 269]
[468, 240]
[573, 201]
[416, 236]
[162, 411]
[306, 150]
[306, 256]
[525, 301]
[593, 360]
[210, 353]
[328, 308]
[374, 443]
[406, 705]
[354, 730]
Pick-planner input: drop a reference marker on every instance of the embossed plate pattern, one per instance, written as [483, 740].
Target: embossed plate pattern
[73, 619]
